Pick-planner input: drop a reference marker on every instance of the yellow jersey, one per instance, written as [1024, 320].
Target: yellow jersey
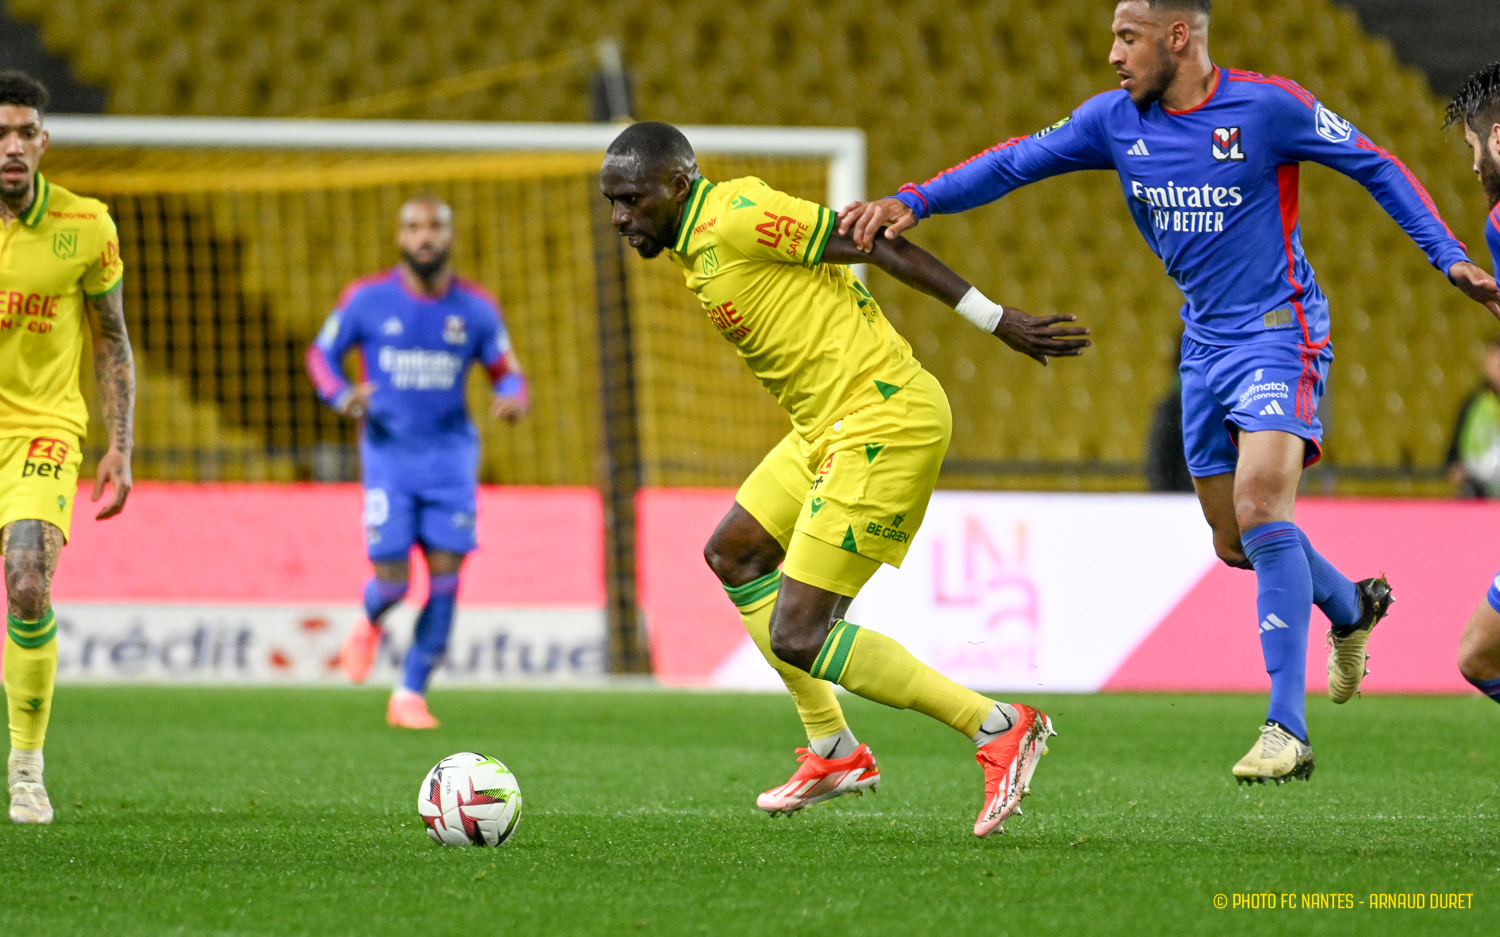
[62, 249]
[810, 331]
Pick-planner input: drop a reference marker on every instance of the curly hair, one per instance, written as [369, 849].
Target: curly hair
[20, 89]
[1478, 100]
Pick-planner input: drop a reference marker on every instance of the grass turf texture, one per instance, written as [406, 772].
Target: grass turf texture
[193, 811]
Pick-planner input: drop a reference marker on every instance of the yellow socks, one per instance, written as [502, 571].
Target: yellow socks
[874, 666]
[30, 674]
[815, 699]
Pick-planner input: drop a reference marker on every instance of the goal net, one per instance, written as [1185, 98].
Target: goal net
[239, 235]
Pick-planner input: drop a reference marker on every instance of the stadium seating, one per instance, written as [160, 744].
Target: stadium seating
[930, 84]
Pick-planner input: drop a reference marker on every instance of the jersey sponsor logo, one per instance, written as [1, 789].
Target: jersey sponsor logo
[729, 321]
[73, 215]
[1139, 149]
[32, 309]
[44, 458]
[706, 225]
[779, 227]
[65, 243]
[1226, 145]
[110, 255]
[1052, 128]
[419, 369]
[1267, 390]
[1331, 127]
[1166, 201]
[454, 331]
[391, 326]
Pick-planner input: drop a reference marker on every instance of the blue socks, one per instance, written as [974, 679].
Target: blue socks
[380, 595]
[1490, 688]
[1284, 602]
[430, 640]
[1332, 590]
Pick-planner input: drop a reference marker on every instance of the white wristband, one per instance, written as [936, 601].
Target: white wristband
[978, 309]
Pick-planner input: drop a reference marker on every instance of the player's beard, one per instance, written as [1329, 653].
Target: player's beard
[652, 248]
[1489, 176]
[1149, 94]
[426, 269]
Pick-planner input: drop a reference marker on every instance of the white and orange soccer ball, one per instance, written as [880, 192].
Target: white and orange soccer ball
[470, 800]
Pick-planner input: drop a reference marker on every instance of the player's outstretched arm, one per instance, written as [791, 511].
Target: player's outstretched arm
[114, 373]
[1036, 337]
[1477, 285]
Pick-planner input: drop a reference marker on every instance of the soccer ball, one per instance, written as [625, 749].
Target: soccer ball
[470, 800]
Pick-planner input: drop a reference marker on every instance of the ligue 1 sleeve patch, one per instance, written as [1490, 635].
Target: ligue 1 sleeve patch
[1331, 127]
[1052, 128]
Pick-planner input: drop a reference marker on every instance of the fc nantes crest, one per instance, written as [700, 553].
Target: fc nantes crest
[65, 243]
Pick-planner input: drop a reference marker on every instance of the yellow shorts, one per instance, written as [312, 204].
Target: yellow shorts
[861, 488]
[38, 479]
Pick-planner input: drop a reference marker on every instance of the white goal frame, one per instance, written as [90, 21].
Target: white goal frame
[843, 147]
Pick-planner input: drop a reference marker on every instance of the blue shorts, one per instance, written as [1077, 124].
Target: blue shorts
[1494, 594]
[1261, 386]
[402, 511]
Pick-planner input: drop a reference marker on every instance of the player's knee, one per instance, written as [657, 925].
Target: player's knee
[29, 596]
[734, 563]
[793, 644]
[1475, 664]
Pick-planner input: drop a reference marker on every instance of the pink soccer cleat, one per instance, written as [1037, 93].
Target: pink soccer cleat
[408, 710]
[357, 656]
[1009, 763]
[820, 779]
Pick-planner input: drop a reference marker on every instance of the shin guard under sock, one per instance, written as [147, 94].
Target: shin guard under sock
[817, 705]
[874, 666]
[1284, 603]
[430, 637]
[30, 675]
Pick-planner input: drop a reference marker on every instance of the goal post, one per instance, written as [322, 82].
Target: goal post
[239, 233]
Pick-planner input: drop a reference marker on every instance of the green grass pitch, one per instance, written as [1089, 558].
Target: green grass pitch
[287, 812]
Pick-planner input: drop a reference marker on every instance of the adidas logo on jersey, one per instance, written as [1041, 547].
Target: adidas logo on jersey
[391, 326]
[1272, 409]
[1272, 623]
[1139, 149]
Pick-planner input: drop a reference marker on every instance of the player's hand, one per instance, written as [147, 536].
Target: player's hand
[1042, 337]
[114, 469]
[1478, 285]
[863, 220]
[509, 407]
[356, 400]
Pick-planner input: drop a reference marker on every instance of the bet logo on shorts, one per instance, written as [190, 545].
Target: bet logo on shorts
[45, 458]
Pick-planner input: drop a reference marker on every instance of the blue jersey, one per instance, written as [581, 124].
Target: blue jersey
[1214, 192]
[1492, 237]
[417, 352]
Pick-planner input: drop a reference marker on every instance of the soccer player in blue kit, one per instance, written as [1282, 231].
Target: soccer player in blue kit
[1476, 108]
[418, 328]
[1208, 159]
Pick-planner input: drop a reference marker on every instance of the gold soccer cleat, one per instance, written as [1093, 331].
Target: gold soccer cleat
[1277, 755]
[1346, 652]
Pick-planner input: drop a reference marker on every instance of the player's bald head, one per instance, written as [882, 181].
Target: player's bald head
[652, 150]
[426, 204]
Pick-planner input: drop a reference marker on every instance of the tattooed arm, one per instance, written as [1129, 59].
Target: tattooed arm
[114, 373]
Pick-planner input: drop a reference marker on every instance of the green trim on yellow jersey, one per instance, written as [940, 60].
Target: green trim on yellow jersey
[38, 208]
[113, 287]
[690, 212]
[821, 233]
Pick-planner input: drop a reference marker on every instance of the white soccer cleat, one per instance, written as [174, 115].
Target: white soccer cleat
[1277, 756]
[819, 779]
[28, 798]
[1346, 652]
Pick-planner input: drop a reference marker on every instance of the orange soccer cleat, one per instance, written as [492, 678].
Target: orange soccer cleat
[1009, 762]
[820, 779]
[408, 710]
[357, 656]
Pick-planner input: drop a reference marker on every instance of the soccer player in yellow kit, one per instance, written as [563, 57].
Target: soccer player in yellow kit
[846, 490]
[59, 263]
